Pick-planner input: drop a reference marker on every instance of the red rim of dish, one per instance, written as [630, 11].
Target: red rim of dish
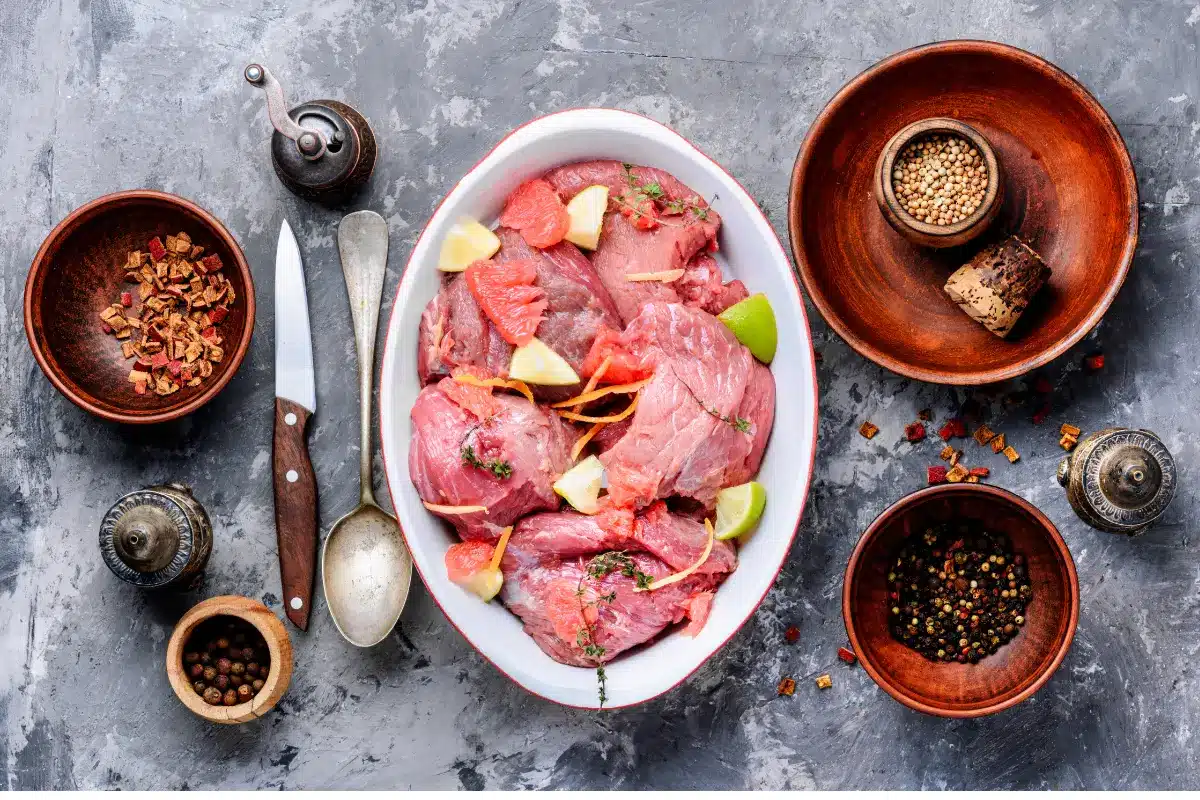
[50, 368]
[796, 194]
[812, 458]
[1047, 670]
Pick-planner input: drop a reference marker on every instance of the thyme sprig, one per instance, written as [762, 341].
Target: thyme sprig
[653, 193]
[740, 424]
[597, 568]
[501, 469]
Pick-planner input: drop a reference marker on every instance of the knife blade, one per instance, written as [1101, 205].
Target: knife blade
[295, 483]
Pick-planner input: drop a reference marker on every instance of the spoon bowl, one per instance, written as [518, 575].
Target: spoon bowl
[366, 571]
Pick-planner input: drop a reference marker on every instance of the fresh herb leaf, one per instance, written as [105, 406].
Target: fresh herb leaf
[501, 469]
[602, 680]
[652, 190]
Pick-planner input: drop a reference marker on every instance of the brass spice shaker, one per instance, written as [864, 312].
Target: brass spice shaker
[157, 537]
[1119, 479]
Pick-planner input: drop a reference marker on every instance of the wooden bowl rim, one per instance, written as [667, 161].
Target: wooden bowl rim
[926, 127]
[50, 366]
[278, 645]
[851, 578]
[796, 194]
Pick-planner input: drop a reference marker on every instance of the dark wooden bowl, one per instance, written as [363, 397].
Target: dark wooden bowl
[1069, 191]
[79, 270]
[921, 232]
[1012, 674]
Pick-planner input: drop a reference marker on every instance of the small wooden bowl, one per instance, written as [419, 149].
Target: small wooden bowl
[1012, 674]
[278, 644]
[78, 271]
[919, 231]
[1069, 191]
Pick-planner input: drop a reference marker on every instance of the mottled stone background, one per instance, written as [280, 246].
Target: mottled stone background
[100, 95]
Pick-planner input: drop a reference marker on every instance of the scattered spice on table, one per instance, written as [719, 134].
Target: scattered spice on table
[959, 593]
[940, 179]
[792, 634]
[847, 655]
[957, 473]
[1011, 454]
[935, 475]
[172, 335]
[824, 681]
[914, 432]
[1042, 414]
[954, 428]
[227, 661]
[998, 444]
[868, 430]
[925, 414]
[1070, 436]
[983, 435]
[947, 452]
[786, 687]
[1094, 362]
[980, 472]
[1042, 385]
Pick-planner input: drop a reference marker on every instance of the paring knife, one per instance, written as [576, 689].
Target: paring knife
[295, 402]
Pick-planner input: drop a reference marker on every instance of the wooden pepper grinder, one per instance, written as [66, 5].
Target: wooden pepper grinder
[1119, 480]
[157, 537]
[322, 150]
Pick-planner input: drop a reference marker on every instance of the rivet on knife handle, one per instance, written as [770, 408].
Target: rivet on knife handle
[295, 509]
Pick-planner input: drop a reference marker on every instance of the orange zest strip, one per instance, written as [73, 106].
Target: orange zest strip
[503, 543]
[516, 386]
[583, 440]
[440, 509]
[592, 381]
[678, 576]
[667, 276]
[590, 395]
[615, 418]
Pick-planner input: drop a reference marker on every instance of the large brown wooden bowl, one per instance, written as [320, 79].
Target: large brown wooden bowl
[1018, 669]
[78, 271]
[1069, 191]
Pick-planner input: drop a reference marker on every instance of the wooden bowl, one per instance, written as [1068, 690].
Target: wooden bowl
[1018, 669]
[924, 233]
[1070, 192]
[278, 644]
[78, 271]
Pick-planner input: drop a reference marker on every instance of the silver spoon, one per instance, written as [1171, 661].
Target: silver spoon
[366, 570]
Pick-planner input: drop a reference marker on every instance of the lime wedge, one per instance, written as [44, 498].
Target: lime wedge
[580, 485]
[586, 211]
[738, 509]
[753, 323]
[537, 363]
[466, 243]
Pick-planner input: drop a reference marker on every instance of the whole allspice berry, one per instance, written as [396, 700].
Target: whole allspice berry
[222, 643]
[212, 696]
[247, 654]
[252, 668]
[236, 680]
[221, 682]
[224, 665]
[244, 692]
[206, 658]
[210, 673]
[191, 658]
[257, 685]
[230, 698]
[196, 671]
[237, 668]
[199, 687]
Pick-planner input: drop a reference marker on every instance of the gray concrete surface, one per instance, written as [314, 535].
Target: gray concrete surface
[100, 95]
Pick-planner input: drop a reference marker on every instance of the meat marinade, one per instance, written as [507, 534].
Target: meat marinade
[702, 423]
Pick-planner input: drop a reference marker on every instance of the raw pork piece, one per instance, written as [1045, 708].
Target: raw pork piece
[535, 443]
[545, 567]
[455, 332]
[701, 423]
[680, 241]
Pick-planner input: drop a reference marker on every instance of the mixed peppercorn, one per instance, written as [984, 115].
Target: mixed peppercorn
[958, 593]
[227, 661]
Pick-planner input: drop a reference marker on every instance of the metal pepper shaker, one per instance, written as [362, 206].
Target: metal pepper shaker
[322, 150]
[157, 537]
[1119, 479]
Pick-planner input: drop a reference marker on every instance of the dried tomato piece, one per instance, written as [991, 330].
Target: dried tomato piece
[954, 428]
[786, 687]
[792, 634]
[935, 475]
[868, 430]
[847, 655]
[914, 432]
[157, 251]
[980, 472]
[1094, 362]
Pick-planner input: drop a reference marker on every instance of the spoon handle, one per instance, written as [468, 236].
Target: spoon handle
[363, 244]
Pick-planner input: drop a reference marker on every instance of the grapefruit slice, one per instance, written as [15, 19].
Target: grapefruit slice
[508, 297]
[535, 210]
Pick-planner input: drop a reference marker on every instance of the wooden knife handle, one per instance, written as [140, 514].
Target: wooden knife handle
[295, 509]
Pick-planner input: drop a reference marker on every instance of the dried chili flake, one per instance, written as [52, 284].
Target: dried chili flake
[1069, 430]
[1094, 362]
[954, 428]
[1042, 385]
[1042, 414]
[935, 475]
[824, 681]
[868, 430]
[847, 655]
[1011, 454]
[998, 443]
[817, 357]
[914, 432]
[792, 634]
[983, 434]
[786, 687]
